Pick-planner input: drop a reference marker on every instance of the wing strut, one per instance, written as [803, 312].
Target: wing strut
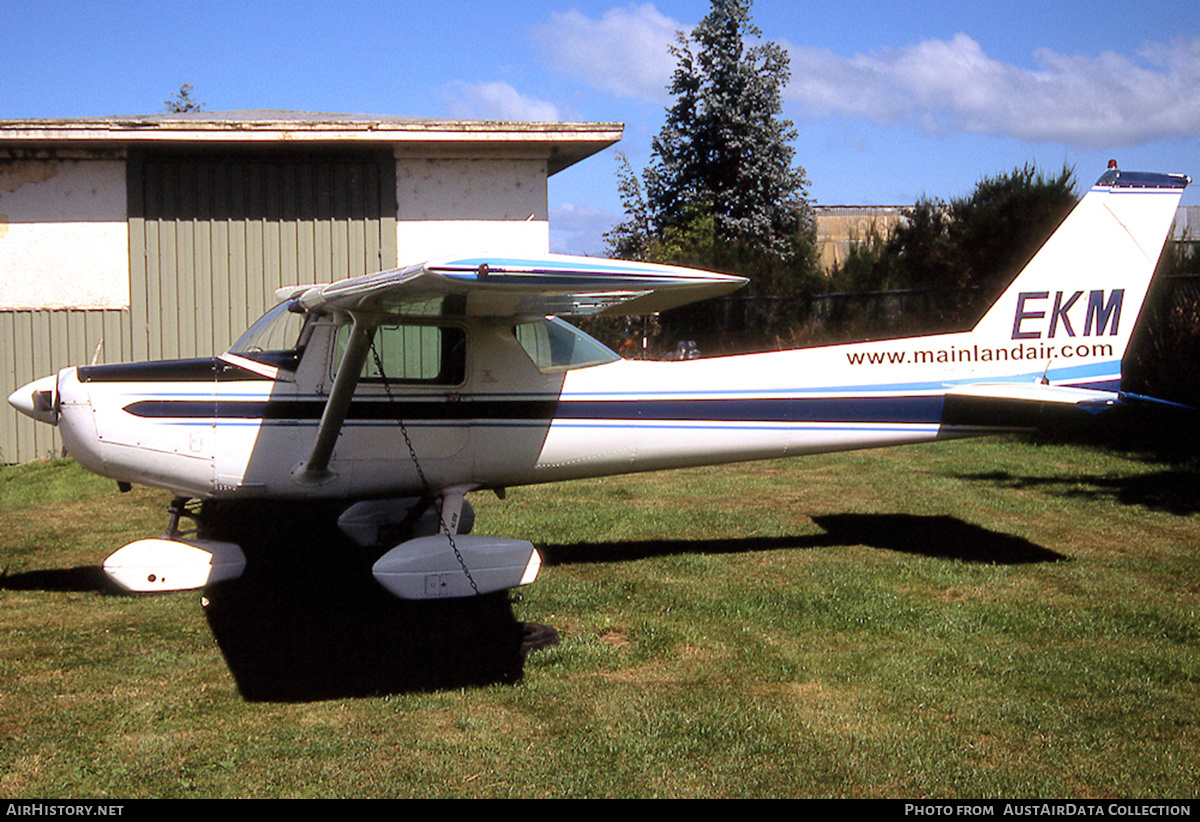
[316, 469]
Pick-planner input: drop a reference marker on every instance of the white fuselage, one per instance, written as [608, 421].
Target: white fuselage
[215, 429]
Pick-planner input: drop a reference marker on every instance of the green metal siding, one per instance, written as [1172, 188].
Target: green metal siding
[212, 234]
[35, 344]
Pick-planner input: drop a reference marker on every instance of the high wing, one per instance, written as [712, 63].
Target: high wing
[487, 287]
[530, 287]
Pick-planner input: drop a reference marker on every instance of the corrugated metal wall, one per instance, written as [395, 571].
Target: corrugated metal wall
[212, 234]
[37, 343]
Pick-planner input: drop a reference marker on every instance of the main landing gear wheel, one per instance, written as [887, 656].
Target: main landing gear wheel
[535, 636]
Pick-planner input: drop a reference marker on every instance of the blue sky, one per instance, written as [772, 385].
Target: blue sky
[892, 101]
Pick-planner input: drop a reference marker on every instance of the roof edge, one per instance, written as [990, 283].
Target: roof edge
[295, 122]
[562, 143]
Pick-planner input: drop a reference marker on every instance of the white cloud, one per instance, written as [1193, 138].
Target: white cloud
[579, 229]
[942, 86]
[624, 53]
[498, 100]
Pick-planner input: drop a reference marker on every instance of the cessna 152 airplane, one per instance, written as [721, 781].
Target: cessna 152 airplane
[401, 392]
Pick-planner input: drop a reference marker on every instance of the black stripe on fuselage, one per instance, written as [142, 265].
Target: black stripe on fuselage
[209, 369]
[912, 409]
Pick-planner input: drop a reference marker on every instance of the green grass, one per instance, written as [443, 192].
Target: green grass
[991, 618]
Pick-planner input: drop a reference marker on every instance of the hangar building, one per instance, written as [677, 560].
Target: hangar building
[164, 236]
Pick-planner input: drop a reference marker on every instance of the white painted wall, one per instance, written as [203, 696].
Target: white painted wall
[451, 206]
[64, 239]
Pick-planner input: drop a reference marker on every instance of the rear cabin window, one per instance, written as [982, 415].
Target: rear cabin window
[556, 346]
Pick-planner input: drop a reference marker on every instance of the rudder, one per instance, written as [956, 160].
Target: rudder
[1079, 297]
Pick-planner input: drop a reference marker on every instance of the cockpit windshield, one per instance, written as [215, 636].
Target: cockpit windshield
[277, 338]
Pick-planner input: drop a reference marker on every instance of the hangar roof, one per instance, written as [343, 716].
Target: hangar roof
[560, 144]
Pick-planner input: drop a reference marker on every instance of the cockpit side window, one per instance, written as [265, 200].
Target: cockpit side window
[413, 354]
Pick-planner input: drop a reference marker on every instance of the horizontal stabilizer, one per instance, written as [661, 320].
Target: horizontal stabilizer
[1036, 392]
[1155, 401]
[1021, 405]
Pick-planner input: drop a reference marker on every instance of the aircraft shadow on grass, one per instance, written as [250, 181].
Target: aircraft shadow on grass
[1171, 490]
[303, 625]
[933, 536]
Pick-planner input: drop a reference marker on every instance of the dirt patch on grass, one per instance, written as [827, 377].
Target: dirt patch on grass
[615, 638]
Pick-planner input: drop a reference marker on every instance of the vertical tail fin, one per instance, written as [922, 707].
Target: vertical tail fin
[1075, 305]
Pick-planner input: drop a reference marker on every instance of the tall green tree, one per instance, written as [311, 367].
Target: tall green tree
[722, 188]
